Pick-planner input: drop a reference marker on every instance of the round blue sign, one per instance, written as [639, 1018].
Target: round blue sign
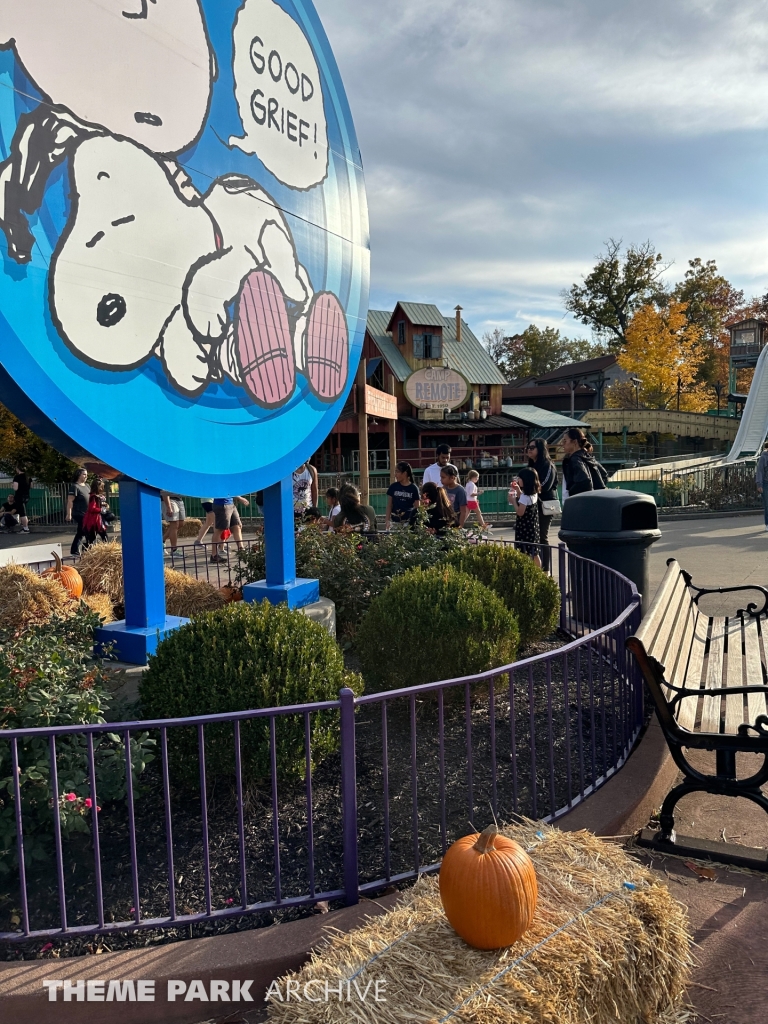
[184, 225]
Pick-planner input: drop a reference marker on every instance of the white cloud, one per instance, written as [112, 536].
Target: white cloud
[505, 140]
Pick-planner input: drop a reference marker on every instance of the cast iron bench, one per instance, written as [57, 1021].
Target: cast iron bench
[707, 677]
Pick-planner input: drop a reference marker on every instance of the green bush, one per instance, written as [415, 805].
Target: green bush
[351, 570]
[432, 624]
[239, 658]
[526, 590]
[48, 676]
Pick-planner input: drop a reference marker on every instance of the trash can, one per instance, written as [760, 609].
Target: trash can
[615, 528]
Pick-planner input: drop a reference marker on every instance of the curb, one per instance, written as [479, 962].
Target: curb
[257, 956]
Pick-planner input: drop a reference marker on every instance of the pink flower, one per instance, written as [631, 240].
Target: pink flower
[71, 797]
[230, 902]
[98, 808]
[88, 802]
[46, 947]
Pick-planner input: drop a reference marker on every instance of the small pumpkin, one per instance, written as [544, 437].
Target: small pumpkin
[488, 889]
[67, 576]
[230, 593]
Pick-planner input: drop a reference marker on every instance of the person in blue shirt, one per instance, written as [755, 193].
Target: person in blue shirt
[457, 496]
[402, 496]
[226, 519]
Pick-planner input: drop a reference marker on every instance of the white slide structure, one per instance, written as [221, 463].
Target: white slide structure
[753, 429]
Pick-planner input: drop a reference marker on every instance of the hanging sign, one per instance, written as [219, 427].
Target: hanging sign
[436, 387]
[185, 277]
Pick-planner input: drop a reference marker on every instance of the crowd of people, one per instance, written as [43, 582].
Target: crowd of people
[441, 503]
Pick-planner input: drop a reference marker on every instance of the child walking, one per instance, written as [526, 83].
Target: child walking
[473, 496]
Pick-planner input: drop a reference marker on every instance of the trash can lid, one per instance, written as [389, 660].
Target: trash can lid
[609, 511]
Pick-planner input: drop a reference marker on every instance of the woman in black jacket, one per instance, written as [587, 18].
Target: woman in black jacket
[538, 459]
[581, 470]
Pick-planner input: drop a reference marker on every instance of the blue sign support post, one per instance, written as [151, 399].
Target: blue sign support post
[145, 623]
[281, 583]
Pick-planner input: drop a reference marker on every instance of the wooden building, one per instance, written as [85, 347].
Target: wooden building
[467, 414]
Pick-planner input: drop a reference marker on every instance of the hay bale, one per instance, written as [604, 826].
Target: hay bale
[102, 570]
[100, 604]
[185, 595]
[598, 951]
[190, 528]
[27, 598]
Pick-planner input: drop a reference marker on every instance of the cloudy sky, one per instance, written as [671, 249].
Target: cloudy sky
[505, 140]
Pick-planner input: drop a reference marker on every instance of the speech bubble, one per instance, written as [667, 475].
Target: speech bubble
[279, 95]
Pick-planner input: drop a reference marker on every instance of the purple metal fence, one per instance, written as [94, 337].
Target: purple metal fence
[413, 768]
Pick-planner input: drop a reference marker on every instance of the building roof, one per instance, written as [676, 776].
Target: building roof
[582, 369]
[541, 419]
[421, 314]
[529, 394]
[377, 328]
[491, 424]
[467, 356]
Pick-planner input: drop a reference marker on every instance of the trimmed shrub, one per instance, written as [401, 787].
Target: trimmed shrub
[432, 624]
[238, 658]
[351, 570]
[49, 676]
[525, 589]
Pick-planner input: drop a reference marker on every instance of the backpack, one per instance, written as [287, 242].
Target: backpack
[599, 476]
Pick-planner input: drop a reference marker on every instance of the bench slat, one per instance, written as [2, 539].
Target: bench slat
[754, 671]
[734, 702]
[710, 710]
[660, 647]
[675, 657]
[648, 628]
[686, 713]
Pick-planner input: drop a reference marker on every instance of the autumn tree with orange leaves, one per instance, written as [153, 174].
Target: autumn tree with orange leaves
[662, 346]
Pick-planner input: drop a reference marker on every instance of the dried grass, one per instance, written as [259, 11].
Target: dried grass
[102, 605]
[597, 952]
[185, 595]
[190, 528]
[27, 598]
[102, 570]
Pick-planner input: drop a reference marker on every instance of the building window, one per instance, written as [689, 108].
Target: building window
[401, 332]
[428, 346]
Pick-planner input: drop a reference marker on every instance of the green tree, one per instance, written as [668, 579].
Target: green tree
[536, 351]
[19, 446]
[619, 284]
[711, 303]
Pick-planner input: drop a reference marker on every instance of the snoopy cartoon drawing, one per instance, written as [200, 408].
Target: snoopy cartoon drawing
[147, 265]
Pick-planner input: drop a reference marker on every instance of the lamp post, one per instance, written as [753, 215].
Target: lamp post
[718, 386]
[636, 382]
[679, 389]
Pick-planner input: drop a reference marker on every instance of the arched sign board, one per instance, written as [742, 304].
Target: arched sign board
[184, 232]
[436, 387]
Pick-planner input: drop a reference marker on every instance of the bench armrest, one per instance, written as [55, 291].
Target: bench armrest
[751, 609]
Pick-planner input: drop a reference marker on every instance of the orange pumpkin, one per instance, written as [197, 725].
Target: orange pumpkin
[230, 593]
[488, 889]
[67, 576]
